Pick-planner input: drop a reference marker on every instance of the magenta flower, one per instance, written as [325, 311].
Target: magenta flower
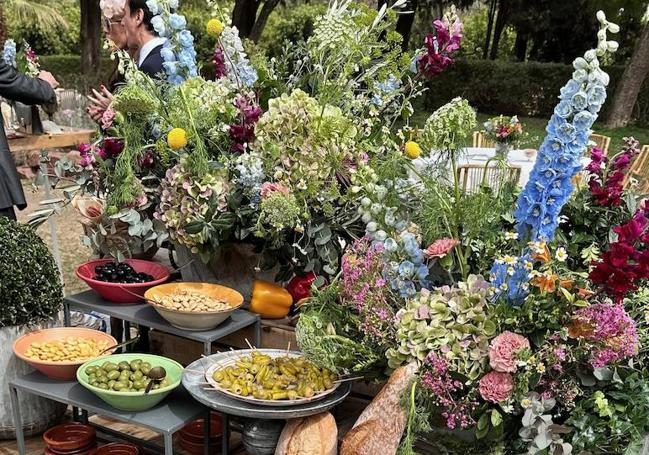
[504, 349]
[440, 45]
[219, 62]
[610, 330]
[496, 387]
[606, 184]
[440, 248]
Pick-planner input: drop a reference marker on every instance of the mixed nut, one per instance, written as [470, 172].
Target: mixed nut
[188, 300]
[70, 349]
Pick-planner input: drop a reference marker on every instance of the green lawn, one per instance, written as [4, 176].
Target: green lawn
[536, 129]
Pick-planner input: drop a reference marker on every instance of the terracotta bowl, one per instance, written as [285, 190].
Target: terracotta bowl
[64, 371]
[69, 438]
[90, 450]
[197, 449]
[193, 431]
[123, 292]
[195, 320]
[118, 449]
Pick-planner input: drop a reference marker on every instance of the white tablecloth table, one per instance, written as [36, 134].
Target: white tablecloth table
[479, 155]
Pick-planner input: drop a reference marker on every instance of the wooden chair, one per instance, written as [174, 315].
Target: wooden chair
[639, 171]
[602, 142]
[480, 141]
[472, 175]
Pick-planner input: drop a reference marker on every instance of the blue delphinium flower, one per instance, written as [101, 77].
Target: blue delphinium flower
[238, 67]
[559, 158]
[177, 21]
[385, 89]
[9, 53]
[558, 161]
[154, 6]
[510, 277]
[159, 26]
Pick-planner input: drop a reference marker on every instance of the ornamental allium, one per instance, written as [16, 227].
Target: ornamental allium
[496, 387]
[449, 126]
[610, 330]
[440, 248]
[504, 349]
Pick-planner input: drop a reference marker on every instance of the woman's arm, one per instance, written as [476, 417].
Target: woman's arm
[28, 90]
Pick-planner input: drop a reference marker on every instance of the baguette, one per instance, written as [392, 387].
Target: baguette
[379, 428]
[315, 435]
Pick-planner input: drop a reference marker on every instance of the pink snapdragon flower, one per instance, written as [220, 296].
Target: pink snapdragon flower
[107, 118]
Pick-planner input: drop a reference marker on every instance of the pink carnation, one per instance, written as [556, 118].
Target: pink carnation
[496, 387]
[503, 350]
[440, 248]
[268, 188]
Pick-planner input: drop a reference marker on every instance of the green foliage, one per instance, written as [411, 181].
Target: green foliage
[289, 23]
[30, 286]
[326, 335]
[50, 27]
[526, 89]
[67, 70]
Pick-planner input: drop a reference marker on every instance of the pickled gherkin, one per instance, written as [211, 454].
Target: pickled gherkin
[280, 378]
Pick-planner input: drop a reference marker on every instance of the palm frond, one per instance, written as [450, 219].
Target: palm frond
[37, 13]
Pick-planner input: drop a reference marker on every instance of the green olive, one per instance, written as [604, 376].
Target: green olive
[102, 385]
[135, 364]
[119, 386]
[123, 365]
[111, 383]
[91, 369]
[114, 374]
[109, 366]
[138, 384]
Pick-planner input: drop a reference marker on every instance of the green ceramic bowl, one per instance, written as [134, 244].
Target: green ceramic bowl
[133, 401]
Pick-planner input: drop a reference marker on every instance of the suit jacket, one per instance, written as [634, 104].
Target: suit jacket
[152, 64]
[15, 86]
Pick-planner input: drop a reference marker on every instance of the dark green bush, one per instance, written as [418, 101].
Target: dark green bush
[292, 23]
[67, 70]
[30, 286]
[529, 89]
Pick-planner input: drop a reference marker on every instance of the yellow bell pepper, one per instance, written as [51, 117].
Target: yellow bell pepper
[269, 300]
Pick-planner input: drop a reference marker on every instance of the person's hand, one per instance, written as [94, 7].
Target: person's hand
[47, 77]
[101, 98]
[95, 113]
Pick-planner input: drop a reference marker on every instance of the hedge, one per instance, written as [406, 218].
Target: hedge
[67, 70]
[529, 89]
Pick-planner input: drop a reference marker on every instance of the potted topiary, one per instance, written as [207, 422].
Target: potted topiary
[31, 298]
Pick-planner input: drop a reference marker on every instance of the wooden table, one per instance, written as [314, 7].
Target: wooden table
[69, 137]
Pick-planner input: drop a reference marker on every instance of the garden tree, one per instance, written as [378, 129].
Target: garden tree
[245, 18]
[39, 13]
[491, 14]
[629, 86]
[502, 17]
[90, 33]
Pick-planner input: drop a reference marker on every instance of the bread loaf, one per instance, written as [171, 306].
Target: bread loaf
[379, 428]
[315, 435]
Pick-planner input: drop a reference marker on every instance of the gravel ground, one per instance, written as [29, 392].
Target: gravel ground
[69, 232]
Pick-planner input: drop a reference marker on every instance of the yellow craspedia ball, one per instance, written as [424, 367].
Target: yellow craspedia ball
[177, 138]
[215, 28]
[412, 150]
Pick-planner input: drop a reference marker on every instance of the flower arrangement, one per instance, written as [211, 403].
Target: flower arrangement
[178, 52]
[503, 130]
[9, 52]
[27, 62]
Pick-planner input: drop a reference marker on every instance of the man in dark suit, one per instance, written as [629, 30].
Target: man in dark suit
[27, 90]
[140, 34]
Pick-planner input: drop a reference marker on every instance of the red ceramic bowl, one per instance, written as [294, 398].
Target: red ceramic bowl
[90, 450]
[123, 292]
[118, 449]
[69, 437]
[63, 371]
[193, 431]
[197, 449]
